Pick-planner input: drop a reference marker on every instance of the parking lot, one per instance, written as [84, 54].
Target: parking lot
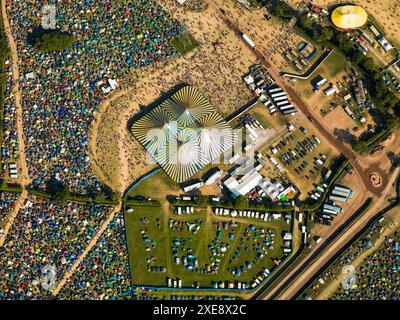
[302, 155]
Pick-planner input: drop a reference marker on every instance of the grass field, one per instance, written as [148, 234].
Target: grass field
[168, 237]
[159, 186]
[154, 229]
[260, 112]
[334, 64]
[185, 43]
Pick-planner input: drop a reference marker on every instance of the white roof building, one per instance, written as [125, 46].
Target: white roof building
[244, 187]
[271, 189]
[385, 44]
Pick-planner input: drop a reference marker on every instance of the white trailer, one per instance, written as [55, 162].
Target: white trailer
[336, 198]
[334, 208]
[340, 193]
[250, 42]
[282, 103]
[367, 37]
[279, 94]
[273, 110]
[321, 82]
[349, 191]
[274, 90]
[328, 211]
[289, 106]
[289, 112]
[280, 98]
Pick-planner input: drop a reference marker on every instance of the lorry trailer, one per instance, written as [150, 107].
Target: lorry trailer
[339, 199]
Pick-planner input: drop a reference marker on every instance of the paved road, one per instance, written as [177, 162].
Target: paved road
[379, 193]
[302, 273]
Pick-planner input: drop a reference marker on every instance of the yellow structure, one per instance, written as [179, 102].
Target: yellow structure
[349, 17]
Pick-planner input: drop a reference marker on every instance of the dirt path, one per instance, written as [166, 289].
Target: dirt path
[18, 96]
[379, 204]
[11, 217]
[333, 286]
[24, 174]
[122, 178]
[89, 247]
[299, 102]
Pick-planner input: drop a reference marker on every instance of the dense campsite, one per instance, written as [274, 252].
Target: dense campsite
[199, 150]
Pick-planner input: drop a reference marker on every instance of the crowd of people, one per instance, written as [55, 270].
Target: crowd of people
[45, 240]
[62, 90]
[104, 274]
[379, 276]
[346, 258]
[9, 146]
[8, 201]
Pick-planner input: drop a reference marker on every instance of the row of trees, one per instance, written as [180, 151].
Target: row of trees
[326, 35]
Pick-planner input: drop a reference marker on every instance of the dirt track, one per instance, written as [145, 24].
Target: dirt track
[24, 177]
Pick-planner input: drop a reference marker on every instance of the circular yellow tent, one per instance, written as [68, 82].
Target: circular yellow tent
[349, 17]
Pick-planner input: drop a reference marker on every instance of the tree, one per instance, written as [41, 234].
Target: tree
[359, 146]
[52, 40]
[282, 10]
[391, 122]
[57, 189]
[241, 202]
[322, 35]
[305, 22]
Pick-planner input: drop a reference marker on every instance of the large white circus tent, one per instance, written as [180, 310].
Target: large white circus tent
[184, 133]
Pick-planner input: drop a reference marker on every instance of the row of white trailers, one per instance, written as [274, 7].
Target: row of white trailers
[177, 283]
[338, 194]
[246, 214]
[281, 101]
[184, 210]
[341, 194]
[249, 214]
[13, 171]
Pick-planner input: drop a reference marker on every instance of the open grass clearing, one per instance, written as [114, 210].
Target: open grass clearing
[185, 43]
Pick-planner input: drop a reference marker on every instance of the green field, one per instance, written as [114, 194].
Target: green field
[156, 187]
[185, 43]
[188, 237]
[335, 63]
